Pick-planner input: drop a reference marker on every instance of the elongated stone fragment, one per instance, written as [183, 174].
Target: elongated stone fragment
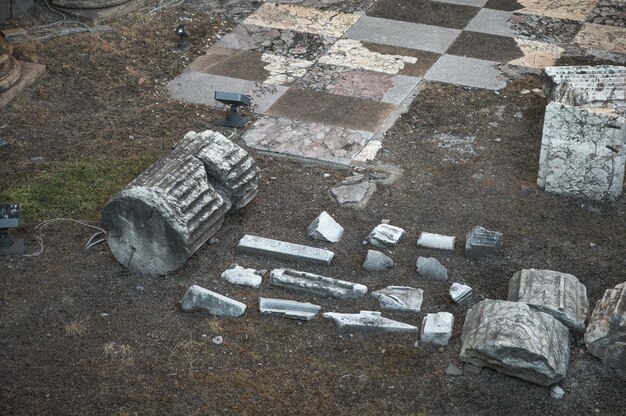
[314, 283]
[400, 298]
[514, 339]
[438, 241]
[558, 294]
[369, 321]
[200, 299]
[288, 308]
[283, 250]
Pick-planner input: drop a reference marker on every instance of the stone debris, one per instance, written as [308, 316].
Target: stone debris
[438, 241]
[200, 299]
[557, 392]
[175, 206]
[319, 285]
[369, 321]
[481, 242]
[558, 294]
[217, 340]
[430, 268]
[325, 228]
[354, 191]
[453, 370]
[288, 309]
[460, 293]
[385, 235]
[606, 333]
[237, 275]
[400, 298]
[515, 339]
[583, 148]
[472, 369]
[282, 250]
[437, 328]
[377, 261]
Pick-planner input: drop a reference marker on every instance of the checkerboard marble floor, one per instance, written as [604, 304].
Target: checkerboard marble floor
[327, 77]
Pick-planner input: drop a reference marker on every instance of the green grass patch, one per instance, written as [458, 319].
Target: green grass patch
[74, 189]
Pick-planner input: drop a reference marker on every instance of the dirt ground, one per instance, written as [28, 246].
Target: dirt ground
[81, 335]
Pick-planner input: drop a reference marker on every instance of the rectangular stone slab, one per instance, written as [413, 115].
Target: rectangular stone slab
[314, 283]
[288, 308]
[283, 250]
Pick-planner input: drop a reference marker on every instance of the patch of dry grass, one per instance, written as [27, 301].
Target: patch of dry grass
[77, 327]
[121, 353]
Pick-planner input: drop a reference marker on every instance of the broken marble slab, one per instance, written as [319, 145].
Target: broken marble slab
[385, 235]
[377, 261]
[400, 298]
[606, 333]
[459, 293]
[237, 275]
[437, 328]
[369, 321]
[437, 241]
[354, 191]
[200, 299]
[514, 339]
[251, 244]
[314, 283]
[558, 294]
[288, 308]
[430, 268]
[325, 228]
[481, 242]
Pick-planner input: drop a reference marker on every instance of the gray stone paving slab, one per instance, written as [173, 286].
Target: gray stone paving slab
[491, 21]
[475, 3]
[250, 244]
[466, 71]
[403, 34]
[199, 88]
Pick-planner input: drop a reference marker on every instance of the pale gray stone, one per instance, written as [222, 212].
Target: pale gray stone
[200, 299]
[377, 261]
[515, 339]
[460, 293]
[237, 275]
[453, 370]
[354, 191]
[217, 340]
[437, 328]
[288, 308]
[438, 241]
[558, 294]
[430, 268]
[481, 242]
[385, 235]
[369, 321]
[557, 392]
[314, 283]
[251, 244]
[606, 333]
[400, 298]
[325, 228]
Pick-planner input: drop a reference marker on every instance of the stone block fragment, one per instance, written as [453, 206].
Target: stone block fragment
[385, 235]
[325, 228]
[430, 268]
[438, 241]
[316, 284]
[354, 191]
[288, 308]
[482, 243]
[437, 328]
[606, 333]
[377, 261]
[369, 321]
[515, 339]
[237, 275]
[200, 299]
[400, 298]
[558, 294]
[460, 293]
[282, 250]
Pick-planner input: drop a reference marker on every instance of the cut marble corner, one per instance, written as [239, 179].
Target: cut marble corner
[577, 10]
[537, 54]
[469, 72]
[199, 88]
[306, 140]
[402, 34]
[494, 22]
[602, 37]
[302, 19]
[29, 74]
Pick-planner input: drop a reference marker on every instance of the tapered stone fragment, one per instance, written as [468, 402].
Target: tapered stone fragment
[400, 298]
[200, 299]
[325, 228]
[606, 333]
[316, 284]
[429, 268]
[515, 339]
[288, 308]
[558, 294]
[377, 261]
[283, 250]
[369, 321]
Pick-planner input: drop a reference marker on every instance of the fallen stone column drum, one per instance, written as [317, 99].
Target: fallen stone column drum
[163, 216]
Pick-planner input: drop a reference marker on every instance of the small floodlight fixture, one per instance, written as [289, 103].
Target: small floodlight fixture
[183, 34]
[10, 218]
[234, 119]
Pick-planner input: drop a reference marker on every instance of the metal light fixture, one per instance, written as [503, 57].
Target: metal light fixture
[10, 218]
[184, 35]
[234, 119]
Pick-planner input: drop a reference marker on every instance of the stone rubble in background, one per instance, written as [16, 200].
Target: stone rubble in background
[316, 284]
[606, 333]
[558, 294]
[400, 298]
[369, 321]
[200, 299]
[288, 309]
[431, 269]
[325, 228]
[481, 243]
[385, 235]
[237, 275]
[460, 293]
[437, 241]
[437, 328]
[377, 261]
